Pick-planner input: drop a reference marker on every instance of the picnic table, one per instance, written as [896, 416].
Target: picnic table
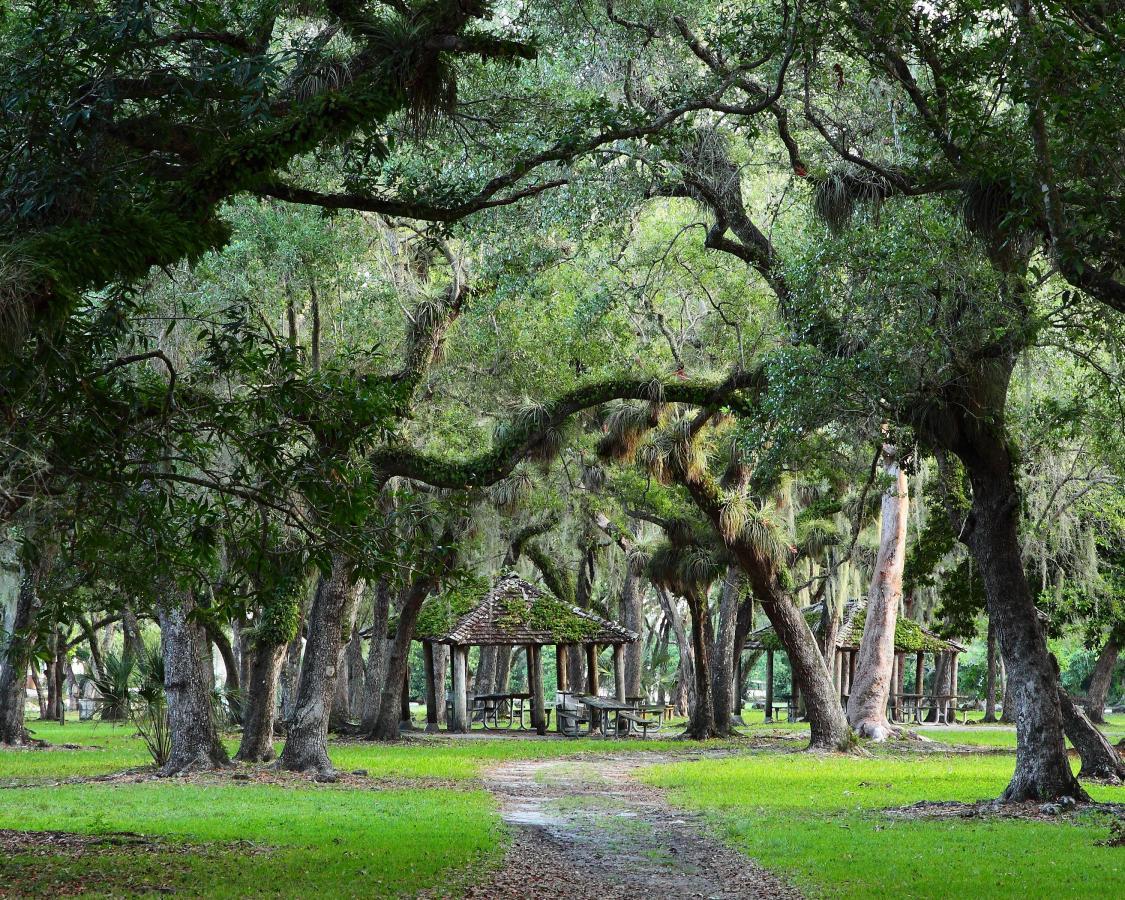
[605, 708]
[946, 706]
[504, 711]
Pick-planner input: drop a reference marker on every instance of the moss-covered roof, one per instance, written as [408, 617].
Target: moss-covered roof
[512, 611]
[910, 637]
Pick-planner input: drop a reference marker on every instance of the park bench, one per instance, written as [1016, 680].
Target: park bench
[644, 719]
[571, 721]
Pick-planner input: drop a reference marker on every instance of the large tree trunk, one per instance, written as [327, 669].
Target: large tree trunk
[1100, 758]
[341, 711]
[828, 726]
[131, 630]
[259, 704]
[632, 617]
[233, 683]
[682, 694]
[867, 700]
[1042, 767]
[990, 678]
[18, 651]
[724, 659]
[1100, 681]
[503, 669]
[187, 684]
[387, 724]
[17, 656]
[485, 681]
[354, 655]
[702, 724]
[378, 651]
[333, 607]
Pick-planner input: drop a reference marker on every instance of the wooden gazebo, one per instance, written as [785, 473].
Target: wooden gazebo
[911, 639]
[513, 612]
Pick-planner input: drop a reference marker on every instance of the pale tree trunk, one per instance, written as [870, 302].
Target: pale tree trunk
[723, 659]
[867, 700]
[681, 700]
[330, 616]
[195, 743]
[1100, 681]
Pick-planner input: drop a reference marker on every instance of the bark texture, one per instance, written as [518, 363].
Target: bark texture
[867, 700]
[195, 743]
[388, 721]
[17, 655]
[724, 674]
[259, 706]
[703, 724]
[990, 678]
[333, 606]
[1100, 758]
[970, 423]
[1100, 681]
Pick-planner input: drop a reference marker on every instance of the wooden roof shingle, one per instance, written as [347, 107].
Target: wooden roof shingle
[515, 612]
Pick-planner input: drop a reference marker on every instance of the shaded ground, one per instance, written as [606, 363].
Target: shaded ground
[586, 829]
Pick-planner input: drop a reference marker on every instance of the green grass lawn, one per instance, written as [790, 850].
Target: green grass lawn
[818, 819]
[319, 841]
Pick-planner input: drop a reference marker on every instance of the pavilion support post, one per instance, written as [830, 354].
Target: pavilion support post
[431, 686]
[619, 671]
[460, 661]
[560, 667]
[919, 672]
[769, 685]
[896, 661]
[535, 687]
[592, 683]
[954, 662]
[851, 669]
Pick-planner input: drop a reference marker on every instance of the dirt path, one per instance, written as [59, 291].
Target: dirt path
[588, 829]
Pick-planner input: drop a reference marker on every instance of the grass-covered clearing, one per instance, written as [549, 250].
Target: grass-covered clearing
[421, 818]
[819, 819]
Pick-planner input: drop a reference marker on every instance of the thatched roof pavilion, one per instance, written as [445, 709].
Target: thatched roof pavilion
[910, 638]
[513, 612]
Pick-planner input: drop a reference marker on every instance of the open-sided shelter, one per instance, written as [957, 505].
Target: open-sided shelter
[514, 612]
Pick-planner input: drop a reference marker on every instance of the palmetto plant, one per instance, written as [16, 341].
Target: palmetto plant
[113, 684]
[148, 710]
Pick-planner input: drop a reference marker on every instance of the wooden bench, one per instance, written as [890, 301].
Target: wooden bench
[570, 721]
[644, 718]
